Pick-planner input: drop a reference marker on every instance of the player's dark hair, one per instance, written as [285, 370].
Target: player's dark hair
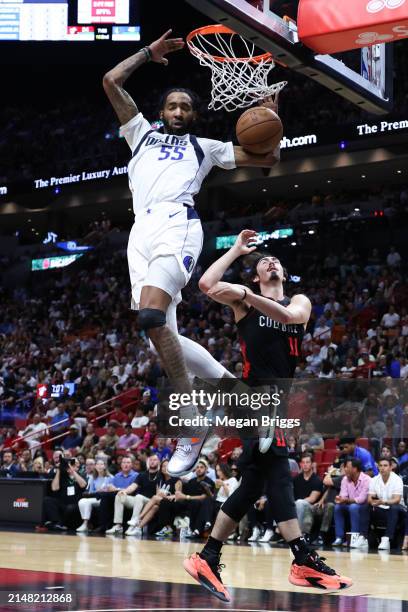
[253, 260]
[387, 459]
[195, 100]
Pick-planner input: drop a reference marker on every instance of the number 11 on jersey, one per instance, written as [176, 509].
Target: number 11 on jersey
[294, 348]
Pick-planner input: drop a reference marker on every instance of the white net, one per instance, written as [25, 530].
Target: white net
[237, 81]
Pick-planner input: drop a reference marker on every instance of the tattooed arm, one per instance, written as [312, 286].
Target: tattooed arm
[113, 80]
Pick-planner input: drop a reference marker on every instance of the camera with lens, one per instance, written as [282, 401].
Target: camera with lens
[64, 463]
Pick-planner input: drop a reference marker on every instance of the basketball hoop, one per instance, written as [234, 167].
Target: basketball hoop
[237, 82]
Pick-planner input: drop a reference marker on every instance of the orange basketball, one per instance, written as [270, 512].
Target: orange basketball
[259, 130]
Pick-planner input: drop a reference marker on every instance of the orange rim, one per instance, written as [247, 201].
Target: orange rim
[220, 29]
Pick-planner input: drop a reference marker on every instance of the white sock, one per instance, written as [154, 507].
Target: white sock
[198, 360]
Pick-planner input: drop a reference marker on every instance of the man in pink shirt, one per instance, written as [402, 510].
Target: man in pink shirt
[353, 502]
[128, 440]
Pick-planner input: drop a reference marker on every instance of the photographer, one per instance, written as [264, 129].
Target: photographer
[66, 490]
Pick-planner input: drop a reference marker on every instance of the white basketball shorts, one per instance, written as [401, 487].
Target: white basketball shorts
[165, 229]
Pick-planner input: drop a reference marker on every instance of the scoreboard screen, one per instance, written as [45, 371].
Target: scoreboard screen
[29, 20]
[103, 11]
[70, 20]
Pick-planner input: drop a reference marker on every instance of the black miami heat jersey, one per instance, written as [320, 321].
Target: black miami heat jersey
[270, 349]
[270, 352]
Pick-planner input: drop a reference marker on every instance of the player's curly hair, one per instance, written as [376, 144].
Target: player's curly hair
[195, 99]
[252, 260]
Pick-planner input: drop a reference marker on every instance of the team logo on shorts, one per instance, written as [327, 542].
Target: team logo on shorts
[188, 262]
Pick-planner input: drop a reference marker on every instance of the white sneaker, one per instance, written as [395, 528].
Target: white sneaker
[185, 456]
[360, 542]
[384, 544]
[338, 542]
[134, 531]
[82, 528]
[267, 536]
[114, 530]
[265, 444]
[255, 535]
[354, 539]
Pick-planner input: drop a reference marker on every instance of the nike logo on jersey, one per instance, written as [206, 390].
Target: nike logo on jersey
[174, 214]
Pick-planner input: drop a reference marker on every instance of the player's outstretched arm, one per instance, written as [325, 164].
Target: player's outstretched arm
[298, 311]
[113, 80]
[243, 158]
[217, 270]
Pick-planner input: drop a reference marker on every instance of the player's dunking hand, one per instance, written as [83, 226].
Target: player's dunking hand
[159, 48]
[244, 243]
[271, 102]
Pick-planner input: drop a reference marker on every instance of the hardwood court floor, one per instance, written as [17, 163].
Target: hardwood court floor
[116, 569]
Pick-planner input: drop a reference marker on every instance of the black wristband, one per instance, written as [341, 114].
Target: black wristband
[245, 294]
[147, 53]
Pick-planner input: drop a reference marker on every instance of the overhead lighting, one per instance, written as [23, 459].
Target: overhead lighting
[32, 229]
[399, 171]
[329, 181]
[28, 220]
[356, 210]
[296, 186]
[311, 232]
[363, 176]
[293, 243]
[264, 190]
[129, 209]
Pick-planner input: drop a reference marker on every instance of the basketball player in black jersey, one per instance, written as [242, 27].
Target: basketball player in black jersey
[271, 328]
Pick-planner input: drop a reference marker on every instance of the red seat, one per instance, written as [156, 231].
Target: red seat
[330, 454]
[331, 443]
[322, 469]
[226, 446]
[318, 456]
[20, 424]
[139, 431]
[364, 442]
[100, 431]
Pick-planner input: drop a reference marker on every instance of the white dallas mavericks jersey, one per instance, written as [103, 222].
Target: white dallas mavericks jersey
[168, 168]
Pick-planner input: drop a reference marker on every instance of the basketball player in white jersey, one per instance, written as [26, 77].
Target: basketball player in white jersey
[165, 172]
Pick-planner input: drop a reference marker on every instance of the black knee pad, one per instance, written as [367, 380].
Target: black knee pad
[151, 317]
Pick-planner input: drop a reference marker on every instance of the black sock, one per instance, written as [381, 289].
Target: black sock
[299, 549]
[212, 547]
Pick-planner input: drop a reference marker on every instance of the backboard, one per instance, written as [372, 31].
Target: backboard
[364, 77]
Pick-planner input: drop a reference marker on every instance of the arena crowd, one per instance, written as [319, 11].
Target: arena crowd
[98, 442]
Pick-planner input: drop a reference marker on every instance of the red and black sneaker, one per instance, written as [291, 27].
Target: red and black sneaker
[207, 573]
[315, 573]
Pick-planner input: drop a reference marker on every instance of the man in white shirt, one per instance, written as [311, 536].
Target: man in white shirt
[322, 330]
[393, 258]
[35, 431]
[165, 172]
[390, 319]
[386, 498]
